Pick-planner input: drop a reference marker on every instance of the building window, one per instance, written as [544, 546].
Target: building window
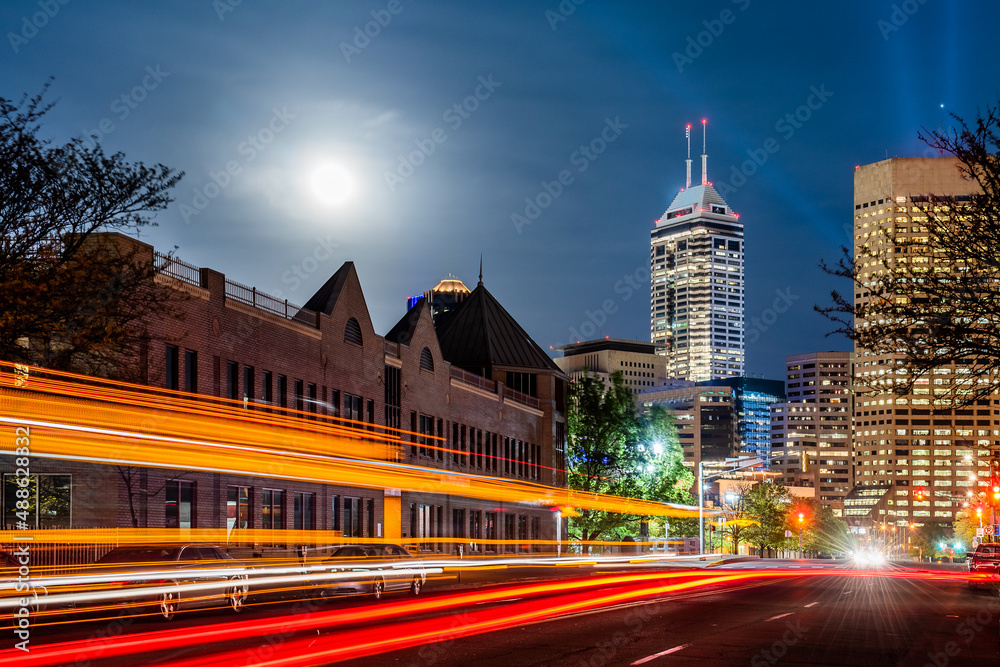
[490, 530]
[248, 385]
[312, 398]
[305, 511]
[370, 516]
[48, 501]
[267, 388]
[335, 513]
[426, 360]
[172, 371]
[352, 517]
[272, 506]
[179, 508]
[475, 528]
[232, 380]
[300, 399]
[392, 379]
[458, 522]
[238, 507]
[352, 407]
[190, 371]
[526, 383]
[282, 391]
[352, 332]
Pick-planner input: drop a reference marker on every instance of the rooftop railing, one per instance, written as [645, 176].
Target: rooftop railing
[282, 308]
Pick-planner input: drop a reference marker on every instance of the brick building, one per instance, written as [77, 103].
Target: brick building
[477, 381]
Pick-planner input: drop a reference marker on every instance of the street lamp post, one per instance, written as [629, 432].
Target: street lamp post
[801, 519]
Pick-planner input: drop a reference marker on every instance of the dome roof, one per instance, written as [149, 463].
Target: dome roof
[451, 284]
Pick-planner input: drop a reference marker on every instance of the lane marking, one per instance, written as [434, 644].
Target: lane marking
[811, 604]
[774, 618]
[660, 654]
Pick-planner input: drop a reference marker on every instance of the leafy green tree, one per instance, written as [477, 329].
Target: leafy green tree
[768, 504]
[601, 427]
[927, 538]
[71, 298]
[613, 450]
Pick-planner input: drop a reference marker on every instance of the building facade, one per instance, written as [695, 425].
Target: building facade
[640, 366]
[811, 430]
[496, 413]
[696, 304]
[913, 447]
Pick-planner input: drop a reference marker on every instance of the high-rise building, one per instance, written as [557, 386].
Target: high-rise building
[444, 298]
[696, 292]
[912, 446]
[719, 419]
[811, 430]
[638, 362]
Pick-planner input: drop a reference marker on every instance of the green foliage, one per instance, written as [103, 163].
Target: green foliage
[768, 504]
[613, 450]
[822, 530]
[927, 538]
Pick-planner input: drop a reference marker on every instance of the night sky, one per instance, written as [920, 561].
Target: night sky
[287, 119]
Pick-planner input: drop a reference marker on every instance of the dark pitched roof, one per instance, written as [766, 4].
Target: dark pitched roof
[402, 332]
[480, 334]
[325, 298]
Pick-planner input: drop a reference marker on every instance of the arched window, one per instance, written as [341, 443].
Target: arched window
[426, 360]
[352, 332]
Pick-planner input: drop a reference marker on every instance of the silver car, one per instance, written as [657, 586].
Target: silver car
[381, 568]
[173, 566]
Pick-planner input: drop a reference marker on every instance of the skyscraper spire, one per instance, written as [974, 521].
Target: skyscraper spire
[480, 268]
[687, 132]
[704, 154]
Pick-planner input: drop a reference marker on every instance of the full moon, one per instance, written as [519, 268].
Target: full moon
[331, 184]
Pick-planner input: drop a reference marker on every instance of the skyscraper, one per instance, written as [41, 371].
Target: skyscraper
[912, 447]
[696, 296]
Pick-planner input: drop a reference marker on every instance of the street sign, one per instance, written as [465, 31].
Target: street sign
[788, 533]
[979, 532]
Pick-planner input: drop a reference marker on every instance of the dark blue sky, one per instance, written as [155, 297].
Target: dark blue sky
[288, 99]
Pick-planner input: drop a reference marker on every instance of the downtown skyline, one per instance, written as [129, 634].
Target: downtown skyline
[450, 123]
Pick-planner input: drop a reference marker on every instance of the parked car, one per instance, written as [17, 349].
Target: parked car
[174, 566]
[985, 560]
[11, 597]
[381, 568]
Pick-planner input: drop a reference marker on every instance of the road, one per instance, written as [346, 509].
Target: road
[809, 621]
[801, 613]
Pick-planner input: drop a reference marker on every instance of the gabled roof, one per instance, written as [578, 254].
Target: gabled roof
[325, 298]
[403, 331]
[700, 197]
[480, 334]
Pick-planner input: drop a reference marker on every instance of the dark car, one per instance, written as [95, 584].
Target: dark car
[985, 560]
[187, 576]
[380, 568]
